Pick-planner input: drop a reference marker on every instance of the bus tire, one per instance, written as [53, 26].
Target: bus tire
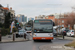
[34, 40]
[50, 40]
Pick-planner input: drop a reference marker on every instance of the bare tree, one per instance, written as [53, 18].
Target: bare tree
[70, 19]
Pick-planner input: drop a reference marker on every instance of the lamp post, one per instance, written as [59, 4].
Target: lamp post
[0, 36]
[74, 30]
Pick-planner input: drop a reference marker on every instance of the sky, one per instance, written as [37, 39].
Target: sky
[32, 8]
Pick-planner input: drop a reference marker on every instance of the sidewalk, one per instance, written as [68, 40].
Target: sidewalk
[55, 47]
[9, 38]
[66, 38]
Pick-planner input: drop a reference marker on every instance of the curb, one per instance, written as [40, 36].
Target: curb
[15, 41]
[64, 47]
[68, 48]
[64, 39]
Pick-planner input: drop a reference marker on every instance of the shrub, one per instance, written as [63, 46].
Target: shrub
[5, 31]
[15, 29]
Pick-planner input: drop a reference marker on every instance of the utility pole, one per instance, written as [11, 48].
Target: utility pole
[74, 30]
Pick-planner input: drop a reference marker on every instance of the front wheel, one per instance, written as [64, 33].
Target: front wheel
[50, 40]
[34, 40]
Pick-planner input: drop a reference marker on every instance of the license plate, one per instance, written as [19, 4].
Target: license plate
[42, 38]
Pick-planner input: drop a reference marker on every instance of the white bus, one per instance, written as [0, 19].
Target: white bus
[42, 29]
[28, 28]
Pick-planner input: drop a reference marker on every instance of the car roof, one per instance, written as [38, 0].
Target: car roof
[72, 30]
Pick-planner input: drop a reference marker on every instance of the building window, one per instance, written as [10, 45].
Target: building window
[62, 25]
[62, 21]
[47, 17]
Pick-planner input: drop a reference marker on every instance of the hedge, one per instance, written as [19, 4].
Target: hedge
[5, 32]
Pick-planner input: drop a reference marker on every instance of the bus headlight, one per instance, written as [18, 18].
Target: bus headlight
[51, 34]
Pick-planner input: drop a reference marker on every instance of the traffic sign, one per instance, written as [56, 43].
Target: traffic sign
[17, 23]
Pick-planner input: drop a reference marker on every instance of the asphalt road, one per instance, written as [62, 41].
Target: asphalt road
[30, 45]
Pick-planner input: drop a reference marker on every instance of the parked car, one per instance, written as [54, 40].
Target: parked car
[70, 33]
[65, 31]
[54, 32]
[20, 33]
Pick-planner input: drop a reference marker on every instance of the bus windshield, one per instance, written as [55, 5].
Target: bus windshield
[28, 28]
[43, 28]
[21, 30]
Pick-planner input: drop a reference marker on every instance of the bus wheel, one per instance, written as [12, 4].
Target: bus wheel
[50, 40]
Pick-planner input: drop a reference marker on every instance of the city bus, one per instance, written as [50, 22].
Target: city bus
[42, 29]
[28, 28]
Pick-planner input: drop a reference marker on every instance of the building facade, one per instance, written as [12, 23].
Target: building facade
[21, 18]
[40, 17]
[12, 13]
[2, 15]
[52, 17]
[30, 19]
[25, 19]
[63, 22]
[3, 11]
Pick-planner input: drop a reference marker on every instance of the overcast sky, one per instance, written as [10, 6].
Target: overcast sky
[32, 8]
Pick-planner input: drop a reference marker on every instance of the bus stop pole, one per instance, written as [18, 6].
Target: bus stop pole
[24, 35]
[0, 38]
[13, 37]
[63, 35]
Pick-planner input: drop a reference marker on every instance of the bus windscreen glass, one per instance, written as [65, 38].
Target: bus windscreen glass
[43, 27]
[28, 28]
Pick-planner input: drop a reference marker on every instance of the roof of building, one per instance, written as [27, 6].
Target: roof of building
[5, 8]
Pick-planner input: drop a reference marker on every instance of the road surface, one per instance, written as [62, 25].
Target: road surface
[29, 45]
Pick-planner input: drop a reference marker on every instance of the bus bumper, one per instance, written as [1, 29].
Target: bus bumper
[42, 38]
